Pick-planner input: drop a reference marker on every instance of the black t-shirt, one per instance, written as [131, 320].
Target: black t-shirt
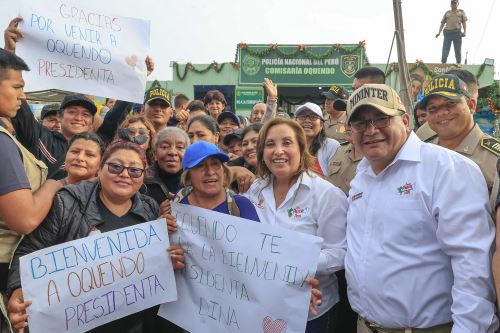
[134, 323]
[113, 222]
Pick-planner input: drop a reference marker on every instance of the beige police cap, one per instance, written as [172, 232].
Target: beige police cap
[380, 96]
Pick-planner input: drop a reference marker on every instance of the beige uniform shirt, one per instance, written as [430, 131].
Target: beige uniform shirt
[343, 167]
[425, 132]
[337, 129]
[454, 19]
[484, 151]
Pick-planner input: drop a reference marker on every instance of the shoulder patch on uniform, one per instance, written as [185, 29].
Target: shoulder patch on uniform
[491, 144]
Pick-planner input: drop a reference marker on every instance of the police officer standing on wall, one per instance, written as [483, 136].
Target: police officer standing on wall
[418, 227]
[452, 22]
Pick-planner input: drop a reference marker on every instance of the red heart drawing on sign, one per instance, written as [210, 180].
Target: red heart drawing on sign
[273, 326]
[131, 60]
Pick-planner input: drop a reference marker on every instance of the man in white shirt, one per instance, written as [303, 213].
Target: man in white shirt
[419, 231]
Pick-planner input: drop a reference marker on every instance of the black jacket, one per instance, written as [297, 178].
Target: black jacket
[73, 214]
[156, 187]
[51, 147]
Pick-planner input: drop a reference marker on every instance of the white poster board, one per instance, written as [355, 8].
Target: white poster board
[83, 50]
[85, 283]
[240, 276]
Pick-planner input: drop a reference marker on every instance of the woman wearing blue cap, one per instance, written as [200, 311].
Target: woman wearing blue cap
[206, 180]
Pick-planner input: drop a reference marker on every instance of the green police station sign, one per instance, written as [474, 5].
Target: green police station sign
[247, 97]
[300, 65]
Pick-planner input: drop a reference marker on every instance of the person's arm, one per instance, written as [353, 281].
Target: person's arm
[242, 176]
[466, 233]
[119, 112]
[23, 210]
[47, 234]
[464, 23]
[113, 119]
[443, 22]
[272, 100]
[28, 129]
[332, 224]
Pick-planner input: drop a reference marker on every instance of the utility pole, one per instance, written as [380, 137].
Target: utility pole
[404, 75]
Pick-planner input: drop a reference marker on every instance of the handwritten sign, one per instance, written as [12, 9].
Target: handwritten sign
[83, 50]
[240, 275]
[82, 284]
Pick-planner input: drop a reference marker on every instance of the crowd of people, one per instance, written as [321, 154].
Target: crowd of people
[406, 216]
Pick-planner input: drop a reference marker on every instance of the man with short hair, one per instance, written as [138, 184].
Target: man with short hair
[257, 113]
[335, 105]
[368, 74]
[419, 228]
[50, 117]
[452, 22]
[25, 196]
[157, 107]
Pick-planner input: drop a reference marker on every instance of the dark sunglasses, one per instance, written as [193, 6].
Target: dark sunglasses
[117, 169]
[125, 134]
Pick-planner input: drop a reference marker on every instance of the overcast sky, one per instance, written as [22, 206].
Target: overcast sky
[201, 31]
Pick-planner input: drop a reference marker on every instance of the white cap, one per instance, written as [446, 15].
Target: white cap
[312, 107]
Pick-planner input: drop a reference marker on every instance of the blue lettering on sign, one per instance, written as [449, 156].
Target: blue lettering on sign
[99, 248]
[42, 23]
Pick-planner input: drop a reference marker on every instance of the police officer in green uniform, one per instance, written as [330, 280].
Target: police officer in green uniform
[335, 106]
[450, 101]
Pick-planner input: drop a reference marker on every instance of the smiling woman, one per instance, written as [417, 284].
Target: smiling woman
[163, 178]
[206, 180]
[83, 157]
[92, 207]
[289, 194]
[310, 118]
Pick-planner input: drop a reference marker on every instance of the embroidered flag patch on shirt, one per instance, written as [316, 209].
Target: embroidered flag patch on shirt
[297, 213]
[406, 189]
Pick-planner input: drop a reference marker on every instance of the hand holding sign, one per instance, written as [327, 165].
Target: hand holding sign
[17, 310]
[74, 48]
[12, 34]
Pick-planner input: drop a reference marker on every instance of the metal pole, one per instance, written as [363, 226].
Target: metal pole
[403, 66]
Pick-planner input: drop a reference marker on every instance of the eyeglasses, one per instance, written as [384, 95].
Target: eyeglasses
[311, 117]
[117, 169]
[137, 131]
[358, 126]
[449, 105]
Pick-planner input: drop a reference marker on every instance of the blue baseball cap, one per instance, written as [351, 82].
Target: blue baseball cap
[200, 151]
